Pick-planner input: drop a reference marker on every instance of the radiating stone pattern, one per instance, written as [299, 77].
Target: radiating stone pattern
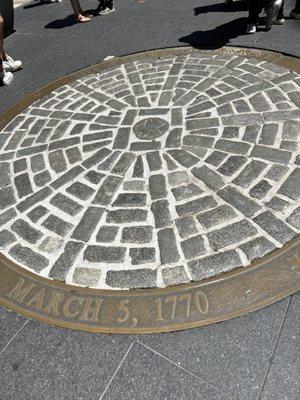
[154, 173]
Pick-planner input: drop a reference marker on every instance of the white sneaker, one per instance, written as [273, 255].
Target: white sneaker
[6, 78]
[55, 1]
[12, 65]
[251, 28]
[107, 9]
[279, 21]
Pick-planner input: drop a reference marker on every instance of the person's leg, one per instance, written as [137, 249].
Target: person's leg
[295, 13]
[279, 18]
[254, 11]
[79, 14]
[2, 54]
[5, 77]
[280, 12]
[255, 8]
[271, 8]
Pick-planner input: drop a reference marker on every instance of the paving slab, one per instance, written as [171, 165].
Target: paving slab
[282, 380]
[145, 374]
[10, 324]
[54, 363]
[234, 356]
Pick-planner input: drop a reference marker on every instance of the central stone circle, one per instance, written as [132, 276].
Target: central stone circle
[153, 173]
[150, 128]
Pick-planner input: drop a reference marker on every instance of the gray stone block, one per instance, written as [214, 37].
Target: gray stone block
[88, 277]
[26, 231]
[7, 197]
[66, 204]
[88, 224]
[209, 177]
[186, 191]
[294, 218]
[142, 255]
[231, 234]
[214, 265]
[107, 234]
[157, 184]
[239, 201]
[105, 254]
[276, 228]
[63, 264]
[57, 225]
[19, 166]
[216, 216]
[174, 275]
[123, 216]
[107, 190]
[196, 206]
[137, 234]
[291, 187]
[132, 279]
[161, 212]
[42, 178]
[193, 247]
[6, 238]
[130, 200]
[260, 190]
[232, 165]
[257, 248]
[251, 172]
[67, 177]
[167, 246]
[80, 190]
[28, 257]
[178, 177]
[231, 146]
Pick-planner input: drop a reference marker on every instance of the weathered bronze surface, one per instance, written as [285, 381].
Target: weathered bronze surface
[159, 310]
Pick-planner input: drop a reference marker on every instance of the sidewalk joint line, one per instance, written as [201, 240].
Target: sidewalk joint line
[117, 370]
[185, 370]
[275, 347]
[3, 350]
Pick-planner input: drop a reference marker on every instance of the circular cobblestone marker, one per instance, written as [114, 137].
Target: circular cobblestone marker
[152, 172]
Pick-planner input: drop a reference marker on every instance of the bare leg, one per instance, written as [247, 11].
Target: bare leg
[79, 14]
[2, 54]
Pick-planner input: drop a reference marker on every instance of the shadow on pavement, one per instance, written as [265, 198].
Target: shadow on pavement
[37, 3]
[217, 37]
[222, 7]
[70, 20]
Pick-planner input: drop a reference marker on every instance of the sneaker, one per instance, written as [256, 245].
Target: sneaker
[54, 1]
[107, 8]
[295, 14]
[271, 12]
[6, 78]
[251, 28]
[279, 21]
[12, 65]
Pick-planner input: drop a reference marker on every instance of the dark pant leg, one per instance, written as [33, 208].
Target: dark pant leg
[254, 11]
[280, 14]
[7, 12]
[297, 7]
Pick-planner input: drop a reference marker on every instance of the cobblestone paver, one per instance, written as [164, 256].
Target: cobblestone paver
[153, 173]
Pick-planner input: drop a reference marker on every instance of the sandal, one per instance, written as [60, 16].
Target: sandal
[81, 18]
